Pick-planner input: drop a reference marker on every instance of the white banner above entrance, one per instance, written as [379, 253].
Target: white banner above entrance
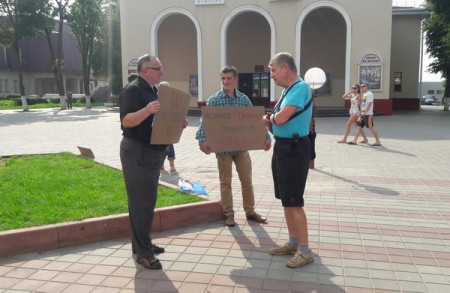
[209, 2]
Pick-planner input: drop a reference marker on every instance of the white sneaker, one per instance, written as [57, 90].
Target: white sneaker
[282, 250]
[300, 259]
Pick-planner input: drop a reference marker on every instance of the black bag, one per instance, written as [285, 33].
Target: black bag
[312, 139]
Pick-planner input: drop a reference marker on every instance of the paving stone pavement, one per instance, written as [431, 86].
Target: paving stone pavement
[379, 217]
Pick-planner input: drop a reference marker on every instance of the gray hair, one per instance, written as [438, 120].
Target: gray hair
[147, 58]
[284, 58]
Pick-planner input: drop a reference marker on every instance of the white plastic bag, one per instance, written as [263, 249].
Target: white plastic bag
[185, 186]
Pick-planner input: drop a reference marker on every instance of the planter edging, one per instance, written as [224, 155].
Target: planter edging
[104, 228]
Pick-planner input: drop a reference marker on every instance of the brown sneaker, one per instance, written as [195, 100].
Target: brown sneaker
[229, 221]
[257, 218]
[285, 249]
[300, 259]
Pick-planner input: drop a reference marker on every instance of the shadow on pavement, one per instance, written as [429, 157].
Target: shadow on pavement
[270, 273]
[359, 186]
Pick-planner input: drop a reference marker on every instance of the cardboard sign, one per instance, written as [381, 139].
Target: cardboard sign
[168, 122]
[86, 152]
[234, 128]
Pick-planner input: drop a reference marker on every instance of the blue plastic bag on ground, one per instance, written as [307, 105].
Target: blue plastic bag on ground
[187, 186]
[199, 189]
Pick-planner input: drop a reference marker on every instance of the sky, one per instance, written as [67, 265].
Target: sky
[426, 59]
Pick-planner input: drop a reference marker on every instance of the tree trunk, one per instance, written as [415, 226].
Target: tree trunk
[62, 101]
[88, 102]
[21, 86]
[57, 64]
[24, 103]
[86, 79]
[60, 60]
[22, 89]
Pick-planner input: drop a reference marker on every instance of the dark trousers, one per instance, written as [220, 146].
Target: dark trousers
[141, 165]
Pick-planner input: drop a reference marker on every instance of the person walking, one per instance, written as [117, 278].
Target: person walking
[171, 158]
[366, 118]
[141, 161]
[355, 103]
[69, 97]
[229, 96]
[291, 155]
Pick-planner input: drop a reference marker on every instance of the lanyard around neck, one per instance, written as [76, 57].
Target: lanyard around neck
[278, 105]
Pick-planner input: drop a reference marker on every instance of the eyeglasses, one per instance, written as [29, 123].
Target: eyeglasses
[354, 88]
[364, 86]
[155, 68]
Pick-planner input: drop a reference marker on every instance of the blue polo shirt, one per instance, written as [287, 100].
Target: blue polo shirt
[299, 95]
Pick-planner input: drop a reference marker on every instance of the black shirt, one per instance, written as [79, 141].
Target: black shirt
[135, 96]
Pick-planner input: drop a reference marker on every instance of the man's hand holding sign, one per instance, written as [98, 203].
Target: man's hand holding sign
[170, 120]
[234, 129]
[229, 127]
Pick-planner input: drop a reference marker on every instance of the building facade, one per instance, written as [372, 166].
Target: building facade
[352, 41]
[38, 77]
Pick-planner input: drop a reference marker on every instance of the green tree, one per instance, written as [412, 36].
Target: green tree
[24, 19]
[437, 28]
[115, 73]
[85, 22]
[108, 62]
[114, 47]
[57, 13]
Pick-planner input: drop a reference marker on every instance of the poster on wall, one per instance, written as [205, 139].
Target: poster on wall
[370, 75]
[193, 85]
[371, 71]
[132, 65]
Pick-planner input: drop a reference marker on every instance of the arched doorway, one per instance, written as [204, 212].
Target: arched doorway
[248, 42]
[175, 39]
[324, 40]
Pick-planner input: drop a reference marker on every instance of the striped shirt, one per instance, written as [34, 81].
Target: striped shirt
[222, 99]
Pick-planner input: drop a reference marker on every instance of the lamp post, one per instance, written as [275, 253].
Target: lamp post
[316, 78]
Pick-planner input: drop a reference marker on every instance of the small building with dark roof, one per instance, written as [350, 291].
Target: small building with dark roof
[37, 66]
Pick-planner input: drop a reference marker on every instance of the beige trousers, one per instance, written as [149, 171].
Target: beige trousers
[244, 169]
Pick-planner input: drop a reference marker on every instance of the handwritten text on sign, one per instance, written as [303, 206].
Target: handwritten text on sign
[234, 128]
[168, 122]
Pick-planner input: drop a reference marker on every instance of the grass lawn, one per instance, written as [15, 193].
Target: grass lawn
[9, 105]
[46, 189]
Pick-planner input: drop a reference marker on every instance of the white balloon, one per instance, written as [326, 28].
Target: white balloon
[315, 77]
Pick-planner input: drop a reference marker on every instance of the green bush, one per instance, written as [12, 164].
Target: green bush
[83, 100]
[30, 101]
[41, 101]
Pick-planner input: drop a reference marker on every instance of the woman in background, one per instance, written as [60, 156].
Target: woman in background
[355, 102]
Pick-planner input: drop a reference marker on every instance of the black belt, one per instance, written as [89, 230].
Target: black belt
[158, 147]
[291, 139]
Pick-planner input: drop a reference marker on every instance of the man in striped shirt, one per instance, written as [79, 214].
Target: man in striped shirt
[229, 96]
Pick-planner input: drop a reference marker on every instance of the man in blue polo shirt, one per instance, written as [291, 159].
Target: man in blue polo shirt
[291, 155]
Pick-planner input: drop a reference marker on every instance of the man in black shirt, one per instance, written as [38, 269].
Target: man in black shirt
[141, 161]
[69, 99]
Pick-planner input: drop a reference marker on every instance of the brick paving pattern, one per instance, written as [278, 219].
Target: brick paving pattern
[379, 217]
